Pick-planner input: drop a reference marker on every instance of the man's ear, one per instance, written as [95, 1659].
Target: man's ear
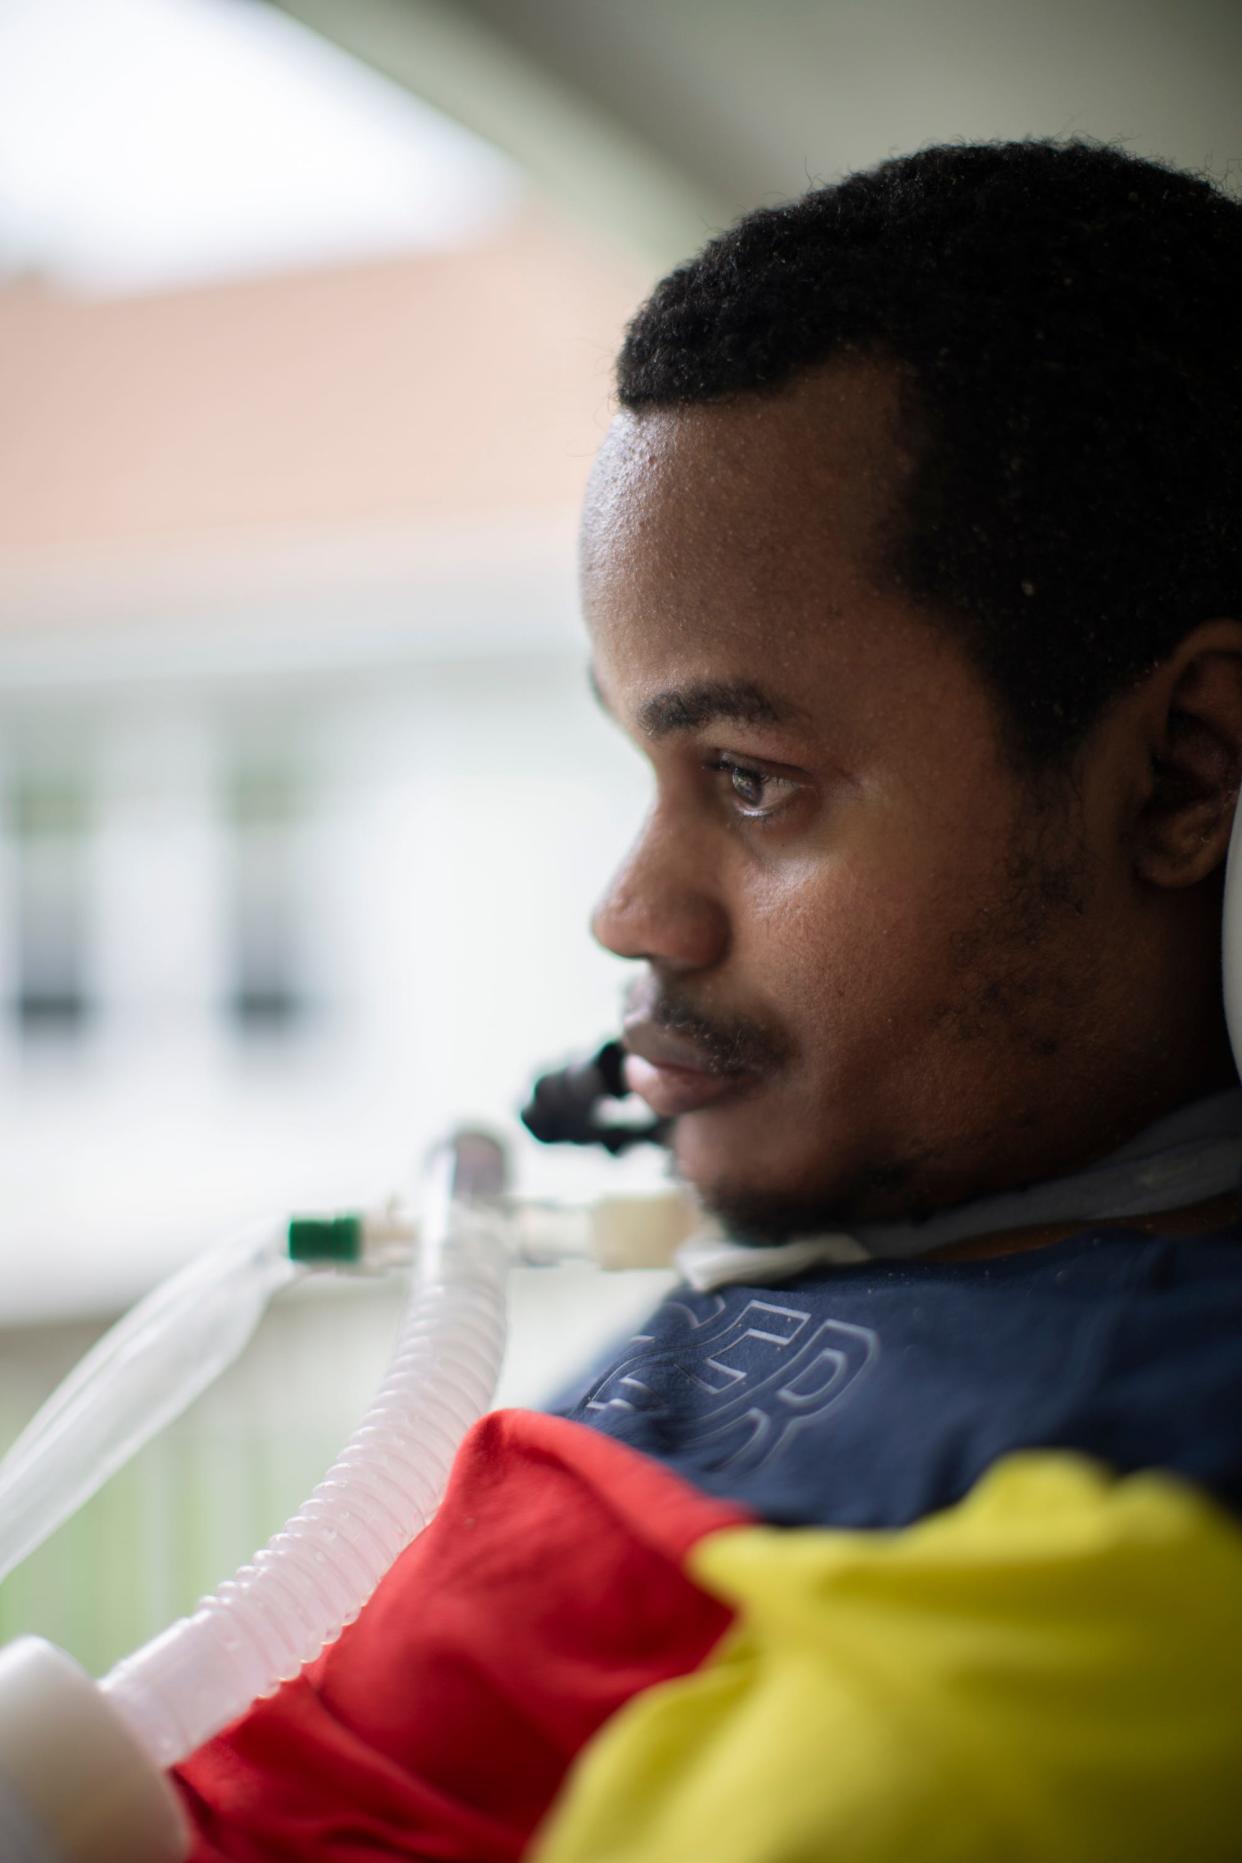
[1191, 711]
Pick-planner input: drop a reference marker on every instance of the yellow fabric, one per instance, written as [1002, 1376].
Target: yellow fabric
[1051, 1669]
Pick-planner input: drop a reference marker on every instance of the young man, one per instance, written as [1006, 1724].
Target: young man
[913, 561]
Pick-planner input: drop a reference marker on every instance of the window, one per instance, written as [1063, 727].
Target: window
[50, 820]
[266, 810]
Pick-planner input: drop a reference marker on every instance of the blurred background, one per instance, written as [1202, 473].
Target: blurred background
[307, 314]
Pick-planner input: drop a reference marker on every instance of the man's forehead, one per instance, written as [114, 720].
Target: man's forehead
[750, 500]
[696, 460]
[681, 639]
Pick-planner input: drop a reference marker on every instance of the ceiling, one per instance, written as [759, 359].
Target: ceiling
[659, 120]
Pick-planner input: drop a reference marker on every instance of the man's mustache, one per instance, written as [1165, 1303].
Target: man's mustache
[734, 1046]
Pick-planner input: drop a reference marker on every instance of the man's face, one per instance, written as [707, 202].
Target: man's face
[874, 972]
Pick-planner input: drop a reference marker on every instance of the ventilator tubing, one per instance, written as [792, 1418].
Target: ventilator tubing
[81, 1766]
[295, 1596]
[99, 1792]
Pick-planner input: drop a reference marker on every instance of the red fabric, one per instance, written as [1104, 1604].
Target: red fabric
[548, 1590]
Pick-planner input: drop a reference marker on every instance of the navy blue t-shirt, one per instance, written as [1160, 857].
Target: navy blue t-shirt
[871, 1395]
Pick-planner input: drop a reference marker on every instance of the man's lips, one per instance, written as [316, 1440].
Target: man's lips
[668, 1072]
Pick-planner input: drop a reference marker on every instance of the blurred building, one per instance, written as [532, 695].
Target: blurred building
[298, 780]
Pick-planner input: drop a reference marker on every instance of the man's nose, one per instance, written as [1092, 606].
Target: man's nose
[659, 908]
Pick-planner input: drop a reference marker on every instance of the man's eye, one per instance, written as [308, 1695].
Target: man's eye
[759, 794]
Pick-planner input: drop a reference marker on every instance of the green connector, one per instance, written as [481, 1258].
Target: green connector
[325, 1238]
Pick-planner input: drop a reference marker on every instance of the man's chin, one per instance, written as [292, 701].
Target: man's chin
[780, 1194]
[766, 1218]
[763, 1206]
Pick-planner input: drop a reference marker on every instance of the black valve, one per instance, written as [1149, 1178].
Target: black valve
[569, 1106]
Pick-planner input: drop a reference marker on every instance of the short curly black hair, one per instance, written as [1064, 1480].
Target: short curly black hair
[1068, 320]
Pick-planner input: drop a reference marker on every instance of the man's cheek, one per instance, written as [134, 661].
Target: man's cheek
[847, 954]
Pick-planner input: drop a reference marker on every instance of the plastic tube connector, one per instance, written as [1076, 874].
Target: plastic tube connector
[641, 1229]
[321, 1240]
[75, 1786]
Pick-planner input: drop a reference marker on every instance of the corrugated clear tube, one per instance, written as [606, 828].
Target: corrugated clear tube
[314, 1576]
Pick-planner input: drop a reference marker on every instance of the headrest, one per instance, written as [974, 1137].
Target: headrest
[1231, 940]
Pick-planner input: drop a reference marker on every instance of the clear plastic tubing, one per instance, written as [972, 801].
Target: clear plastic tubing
[277, 1613]
[140, 1376]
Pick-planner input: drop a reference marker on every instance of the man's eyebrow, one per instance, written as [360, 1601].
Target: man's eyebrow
[715, 701]
[708, 701]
